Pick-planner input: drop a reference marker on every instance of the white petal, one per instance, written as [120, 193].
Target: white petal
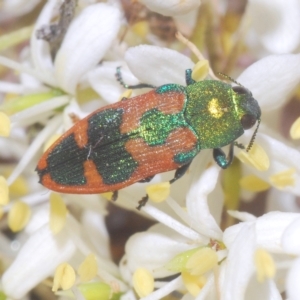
[87, 40]
[37, 260]
[104, 82]
[152, 250]
[95, 230]
[156, 65]
[290, 238]
[242, 216]
[201, 218]
[279, 160]
[15, 8]
[292, 281]
[266, 290]
[171, 7]
[270, 228]
[277, 23]
[239, 264]
[40, 51]
[272, 79]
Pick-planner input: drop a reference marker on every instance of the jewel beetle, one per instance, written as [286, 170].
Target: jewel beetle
[137, 138]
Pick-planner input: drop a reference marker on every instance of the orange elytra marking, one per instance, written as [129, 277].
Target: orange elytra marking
[182, 140]
[80, 133]
[151, 159]
[91, 174]
[168, 103]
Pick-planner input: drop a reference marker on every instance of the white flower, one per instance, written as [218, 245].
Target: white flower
[275, 25]
[172, 7]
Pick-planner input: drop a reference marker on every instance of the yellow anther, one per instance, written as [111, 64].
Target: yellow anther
[265, 266]
[18, 216]
[283, 179]
[19, 187]
[193, 284]
[158, 192]
[143, 282]
[64, 277]
[4, 191]
[200, 70]
[1, 215]
[88, 269]
[178, 263]
[51, 141]
[204, 260]
[295, 130]
[96, 291]
[253, 183]
[108, 195]
[140, 28]
[256, 157]
[126, 94]
[4, 124]
[58, 213]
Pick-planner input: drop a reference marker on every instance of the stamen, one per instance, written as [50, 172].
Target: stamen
[88, 269]
[58, 213]
[158, 192]
[253, 183]
[64, 277]
[143, 282]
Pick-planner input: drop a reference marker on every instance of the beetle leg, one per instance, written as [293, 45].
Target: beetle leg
[188, 77]
[114, 196]
[126, 86]
[178, 174]
[220, 157]
[239, 145]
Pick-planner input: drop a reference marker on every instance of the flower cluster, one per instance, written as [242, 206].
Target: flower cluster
[206, 243]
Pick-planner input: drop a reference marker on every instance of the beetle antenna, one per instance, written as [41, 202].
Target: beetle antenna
[253, 137]
[229, 78]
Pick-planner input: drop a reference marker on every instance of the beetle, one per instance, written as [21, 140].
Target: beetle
[137, 138]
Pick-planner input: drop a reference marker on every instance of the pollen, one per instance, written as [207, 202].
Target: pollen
[19, 187]
[126, 94]
[64, 277]
[107, 195]
[200, 71]
[256, 157]
[4, 191]
[193, 283]
[140, 28]
[295, 130]
[265, 266]
[4, 124]
[18, 216]
[204, 260]
[96, 291]
[253, 183]
[178, 263]
[88, 269]
[283, 179]
[143, 282]
[158, 192]
[51, 141]
[58, 213]
[214, 108]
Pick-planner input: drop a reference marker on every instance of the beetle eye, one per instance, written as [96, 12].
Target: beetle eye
[240, 90]
[248, 121]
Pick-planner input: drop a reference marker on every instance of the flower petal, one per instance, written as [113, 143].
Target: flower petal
[37, 260]
[272, 79]
[171, 7]
[156, 65]
[290, 238]
[163, 247]
[292, 282]
[197, 206]
[97, 27]
[277, 24]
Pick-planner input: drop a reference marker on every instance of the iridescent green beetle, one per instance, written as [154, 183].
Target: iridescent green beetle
[135, 139]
